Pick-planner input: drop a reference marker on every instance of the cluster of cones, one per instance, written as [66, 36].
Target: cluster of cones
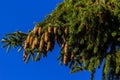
[66, 56]
[44, 39]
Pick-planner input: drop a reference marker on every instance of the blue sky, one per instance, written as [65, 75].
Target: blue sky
[21, 15]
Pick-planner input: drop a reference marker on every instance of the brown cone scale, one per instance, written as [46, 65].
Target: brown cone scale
[65, 59]
[28, 38]
[48, 46]
[33, 45]
[26, 45]
[40, 31]
[66, 48]
[41, 45]
[31, 40]
[47, 37]
[35, 40]
[35, 30]
[50, 29]
[55, 30]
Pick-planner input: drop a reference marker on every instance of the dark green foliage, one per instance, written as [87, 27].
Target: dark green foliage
[88, 32]
[15, 39]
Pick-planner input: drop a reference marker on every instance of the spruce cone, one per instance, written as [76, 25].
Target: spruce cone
[26, 45]
[55, 30]
[51, 44]
[35, 30]
[50, 29]
[36, 41]
[40, 31]
[48, 46]
[43, 36]
[55, 33]
[65, 59]
[31, 40]
[28, 38]
[47, 37]
[33, 45]
[41, 45]
[66, 48]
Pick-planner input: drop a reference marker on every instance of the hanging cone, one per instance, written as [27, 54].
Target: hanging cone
[41, 45]
[40, 31]
[35, 30]
[28, 38]
[26, 45]
[55, 30]
[36, 41]
[66, 31]
[66, 48]
[65, 59]
[50, 29]
[31, 40]
[43, 36]
[55, 33]
[33, 45]
[47, 37]
[48, 46]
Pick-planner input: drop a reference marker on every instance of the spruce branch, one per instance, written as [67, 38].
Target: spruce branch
[15, 39]
[87, 31]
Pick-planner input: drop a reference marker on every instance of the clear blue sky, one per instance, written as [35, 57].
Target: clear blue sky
[21, 15]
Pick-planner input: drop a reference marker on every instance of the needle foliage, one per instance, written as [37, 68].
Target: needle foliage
[87, 31]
